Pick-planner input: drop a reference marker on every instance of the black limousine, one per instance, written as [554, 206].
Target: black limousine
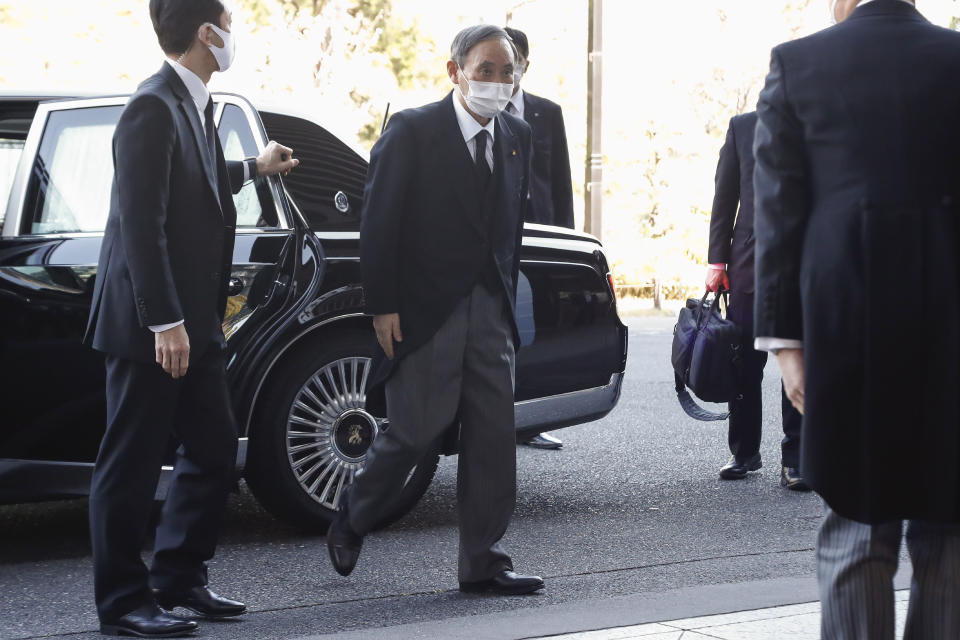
[299, 343]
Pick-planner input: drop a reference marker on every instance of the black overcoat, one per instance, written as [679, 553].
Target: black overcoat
[426, 233]
[857, 192]
[551, 188]
[731, 219]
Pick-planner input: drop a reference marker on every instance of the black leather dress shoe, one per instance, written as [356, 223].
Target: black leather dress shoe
[149, 621]
[543, 441]
[343, 543]
[738, 469]
[201, 601]
[791, 479]
[506, 583]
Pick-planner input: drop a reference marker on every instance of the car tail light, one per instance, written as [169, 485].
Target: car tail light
[613, 286]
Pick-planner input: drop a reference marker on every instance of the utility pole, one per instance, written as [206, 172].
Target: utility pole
[593, 218]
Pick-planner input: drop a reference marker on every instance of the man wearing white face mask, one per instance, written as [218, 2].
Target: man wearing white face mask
[157, 306]
[439, 252]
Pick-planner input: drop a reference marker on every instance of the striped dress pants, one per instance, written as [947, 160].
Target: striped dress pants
[856, 563]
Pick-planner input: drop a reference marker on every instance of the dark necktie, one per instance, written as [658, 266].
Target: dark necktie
[480, 159]
[211, 133]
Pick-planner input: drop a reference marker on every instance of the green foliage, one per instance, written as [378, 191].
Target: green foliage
[374, 32]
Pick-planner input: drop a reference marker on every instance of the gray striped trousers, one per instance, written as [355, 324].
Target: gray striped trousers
[855, 567]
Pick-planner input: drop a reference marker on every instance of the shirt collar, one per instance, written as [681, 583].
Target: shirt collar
[468, 126]
[863, 2]
[517, 100]
[198, 91]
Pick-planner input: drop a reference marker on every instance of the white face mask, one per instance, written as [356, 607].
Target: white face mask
[227, 52]
[486, 99]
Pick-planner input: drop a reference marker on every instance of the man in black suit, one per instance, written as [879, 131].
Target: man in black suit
[156, 311]
[858, 269]
[731, 267]
[551, 190]
[440, 254]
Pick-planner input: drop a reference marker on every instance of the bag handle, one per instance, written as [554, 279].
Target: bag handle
[713, 307]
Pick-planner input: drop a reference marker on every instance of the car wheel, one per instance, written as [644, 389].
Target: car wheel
[313, 431]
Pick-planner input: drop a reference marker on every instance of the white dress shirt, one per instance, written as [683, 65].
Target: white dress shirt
[200, 96]
[470, 128]
[517, 102]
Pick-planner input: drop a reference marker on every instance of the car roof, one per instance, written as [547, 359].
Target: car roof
[268, 107]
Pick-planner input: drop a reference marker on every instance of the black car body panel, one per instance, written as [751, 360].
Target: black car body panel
[296, 280]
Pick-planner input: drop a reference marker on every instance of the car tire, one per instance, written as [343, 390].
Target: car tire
[306, 437]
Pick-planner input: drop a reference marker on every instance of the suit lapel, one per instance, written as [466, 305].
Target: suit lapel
[189, 110]
[507, 155]
[455, 155]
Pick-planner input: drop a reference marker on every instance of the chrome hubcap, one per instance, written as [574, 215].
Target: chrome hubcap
[329, 430]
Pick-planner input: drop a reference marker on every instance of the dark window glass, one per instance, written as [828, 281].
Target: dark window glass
[328, 184]
[69, 189]
[254, 202]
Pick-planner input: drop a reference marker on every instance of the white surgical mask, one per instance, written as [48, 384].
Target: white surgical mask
[486, 99]
[227, 52]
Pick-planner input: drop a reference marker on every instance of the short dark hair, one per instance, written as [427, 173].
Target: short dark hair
[520, 40]
[176, 21]
[470, 37]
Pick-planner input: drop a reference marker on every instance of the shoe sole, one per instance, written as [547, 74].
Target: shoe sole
[111, 630]
[502, 592]
[207, 616]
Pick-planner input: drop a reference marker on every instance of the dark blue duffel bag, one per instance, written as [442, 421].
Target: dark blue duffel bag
[707, 357]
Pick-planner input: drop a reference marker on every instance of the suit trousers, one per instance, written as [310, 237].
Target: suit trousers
[856, 563]
[146, 410]
[464, 373]
[746, 412]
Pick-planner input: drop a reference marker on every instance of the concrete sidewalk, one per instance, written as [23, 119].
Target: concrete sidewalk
[796, 622]
[761, 609]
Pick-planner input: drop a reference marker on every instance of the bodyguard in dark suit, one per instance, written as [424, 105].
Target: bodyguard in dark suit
[440, 254]
[551, 189]
[858, 269]
[550, 200]
[157, 307]
[731, 265]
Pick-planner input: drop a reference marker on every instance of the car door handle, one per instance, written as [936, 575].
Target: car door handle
[235, 286]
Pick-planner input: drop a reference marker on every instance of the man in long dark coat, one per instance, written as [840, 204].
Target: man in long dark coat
[858, 271]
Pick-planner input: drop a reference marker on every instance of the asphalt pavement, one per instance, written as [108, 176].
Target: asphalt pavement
[628, 522]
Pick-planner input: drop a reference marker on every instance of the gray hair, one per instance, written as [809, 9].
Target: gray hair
[470, 37]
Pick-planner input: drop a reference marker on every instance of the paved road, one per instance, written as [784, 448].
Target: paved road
[631, 505]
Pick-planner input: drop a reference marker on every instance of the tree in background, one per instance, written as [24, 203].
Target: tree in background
[662, 166]
[339, 38]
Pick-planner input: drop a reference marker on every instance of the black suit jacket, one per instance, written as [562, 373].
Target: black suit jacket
[731, 220]
[168, 245]
[425, 238]
[551, 191]
[857, 191]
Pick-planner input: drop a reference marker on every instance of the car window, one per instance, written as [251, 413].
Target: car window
[254, 202]
[327, 186]
[15, 120]
[9, 157]
[69, 188]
